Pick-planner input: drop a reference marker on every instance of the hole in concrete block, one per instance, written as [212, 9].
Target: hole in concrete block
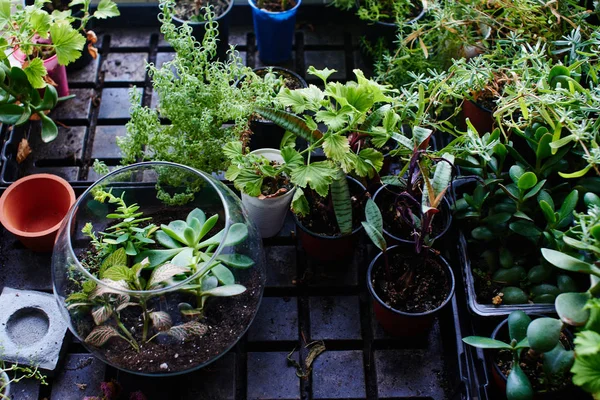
[27, 326]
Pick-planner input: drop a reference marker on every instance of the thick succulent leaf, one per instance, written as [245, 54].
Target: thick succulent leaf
[570, 307]
[342, 205]
[238, 232]
[158, 257]
[544, 334]
[518, 386]
[527, 181]
[161, 320]
[208, 283]
[167, 241]
[163, 273]
[187, 331]
[486, 343]
[375, 236]
[176, 230]
[198, 214]
[208, 225]
[518, 322]
[225, 291]
[100, 335]
[185, 258]
[373, 215]
[223, 274]
[239, 261]
[569, 263]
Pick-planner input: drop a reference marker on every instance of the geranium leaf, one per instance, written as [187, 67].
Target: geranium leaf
[35, 72]
[106, 9]
[67, 42]
[299, 203]
[335, 146]
[317, 175]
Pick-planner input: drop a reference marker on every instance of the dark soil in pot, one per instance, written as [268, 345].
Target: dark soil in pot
[321, 219]
[277, 186]
[191, 10]
[276, 5]
[415, 284]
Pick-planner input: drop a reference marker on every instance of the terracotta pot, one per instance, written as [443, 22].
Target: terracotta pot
[268, 214]
[481, 118]
[329, 248]
[33, 208]
[57, 72]
[445, 214]
[400, 323]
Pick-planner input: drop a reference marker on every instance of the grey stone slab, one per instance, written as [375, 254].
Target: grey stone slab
[334, 318]
[32, 328]
[125, 67]
[339, 375]
[87, 74]
[281, 266]
[115, 103]
[162, 58]
[337, 274]
[139, 37]
[67, 145]
[335, 59]
[80, 376]
[277, 319]
[22, 268]
[409, 373]
[270, 377]
[76, 108]
[105, 141]
[238, 35]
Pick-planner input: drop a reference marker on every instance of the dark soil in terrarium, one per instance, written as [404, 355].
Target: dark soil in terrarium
[191, 10]
[395, 225]
[225, 319]
[321, 219]
[532, 365]
[416, 283]
[276, 5]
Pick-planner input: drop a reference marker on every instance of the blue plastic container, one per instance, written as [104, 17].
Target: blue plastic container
[274, 33]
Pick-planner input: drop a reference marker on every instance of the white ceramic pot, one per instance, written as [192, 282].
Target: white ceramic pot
[268, 214]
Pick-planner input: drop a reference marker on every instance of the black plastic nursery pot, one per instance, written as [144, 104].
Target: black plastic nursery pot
[499, 379]
[329, 248]
[481, 118]
[445, 216]
[265, 133]
[400, 323]
[198, 30]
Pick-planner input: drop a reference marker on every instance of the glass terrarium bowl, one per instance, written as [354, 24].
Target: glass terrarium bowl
[163, 299]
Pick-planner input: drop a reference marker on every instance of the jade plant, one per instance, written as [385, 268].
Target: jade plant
[581, 310]
[135, 255]
[361, 106]
[531, 340]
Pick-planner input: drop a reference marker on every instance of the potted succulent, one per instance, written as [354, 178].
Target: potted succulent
[262, 178]
[33, 208]
[160, 288]
[264, 133]
[200, 126]
[274, 26]
[327, 205]
[523, 345]
[197, 14]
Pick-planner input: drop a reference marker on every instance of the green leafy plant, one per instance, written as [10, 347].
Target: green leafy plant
[197, 96]
[542, 337]
[363, 107]
[179, 250]
[39, 34]
[18, 373]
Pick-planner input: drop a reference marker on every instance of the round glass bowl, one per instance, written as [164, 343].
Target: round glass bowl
[163, 292]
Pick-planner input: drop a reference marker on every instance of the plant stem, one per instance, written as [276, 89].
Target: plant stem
[146, 319]
[131, 340]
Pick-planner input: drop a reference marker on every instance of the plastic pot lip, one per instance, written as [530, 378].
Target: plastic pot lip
[392, 24]
[479, 106]
[504, 323]
[68, 221]
[324, 237]
[194, 23]
[276, 152]
[252, 4]
[16, 184]
[20, 57]
[450, 274]
[448, 216]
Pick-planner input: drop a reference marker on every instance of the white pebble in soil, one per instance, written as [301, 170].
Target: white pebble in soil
[164, 366]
